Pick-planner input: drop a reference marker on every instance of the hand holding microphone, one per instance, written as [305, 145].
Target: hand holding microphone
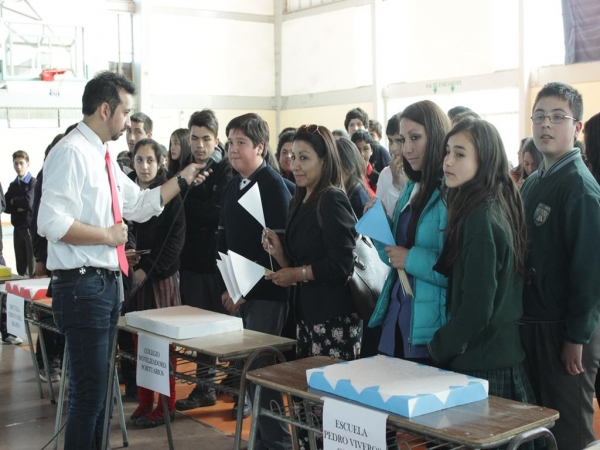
[196, 174]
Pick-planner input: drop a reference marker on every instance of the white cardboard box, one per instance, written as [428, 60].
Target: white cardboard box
[183, 322]
[398, 386]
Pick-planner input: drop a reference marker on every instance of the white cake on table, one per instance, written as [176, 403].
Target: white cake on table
[183, 322]
[397, 386]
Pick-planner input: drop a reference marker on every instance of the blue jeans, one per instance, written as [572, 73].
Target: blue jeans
[86, 308]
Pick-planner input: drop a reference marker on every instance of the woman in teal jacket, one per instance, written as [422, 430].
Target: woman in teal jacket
[418, 227]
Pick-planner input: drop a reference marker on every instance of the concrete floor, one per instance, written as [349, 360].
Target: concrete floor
[27, 422]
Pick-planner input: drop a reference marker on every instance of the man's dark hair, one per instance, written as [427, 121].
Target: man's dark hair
[20, 154]
[205, 118]
[356, 113]
[105, 87]
[340, 134]
[362, 135]
[564, 92]
[375, 126]
[287, 130]
[393, 125]
[253, 126]
[140, 117]
[458, 110]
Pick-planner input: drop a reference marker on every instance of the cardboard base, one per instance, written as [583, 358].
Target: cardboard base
[397, 386]
[183, 322]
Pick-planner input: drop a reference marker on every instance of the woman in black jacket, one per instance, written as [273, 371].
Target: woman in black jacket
[155, 273]
[317, 252]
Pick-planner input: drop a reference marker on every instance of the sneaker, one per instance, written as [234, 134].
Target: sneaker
[197, 399]
[154, 419]
[14, 340]
[247, 407]
[54, 377]
[138, 414]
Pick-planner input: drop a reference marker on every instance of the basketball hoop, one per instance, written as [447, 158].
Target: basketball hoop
[49, 75]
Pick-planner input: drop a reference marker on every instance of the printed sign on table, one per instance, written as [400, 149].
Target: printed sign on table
[153, 364]
[347, 426]
[15, 316]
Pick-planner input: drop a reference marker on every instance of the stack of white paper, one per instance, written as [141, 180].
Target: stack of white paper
[239, 274]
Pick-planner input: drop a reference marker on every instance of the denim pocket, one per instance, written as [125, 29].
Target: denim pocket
[83, 302]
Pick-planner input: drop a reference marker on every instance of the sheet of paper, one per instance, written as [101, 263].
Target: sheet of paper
[222, 266]
[236, 295]
[252, 202]
[347, 426]
[153, 363]
[15, 316]
[374, 224]
[247, 273]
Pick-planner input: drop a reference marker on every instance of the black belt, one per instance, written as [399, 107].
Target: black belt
[83, 271]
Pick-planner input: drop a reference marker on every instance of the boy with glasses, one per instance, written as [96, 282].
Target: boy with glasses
[561, 294]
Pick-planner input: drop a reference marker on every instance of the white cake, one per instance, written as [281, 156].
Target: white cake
[183, 322]
[398, 386]
[33, 289]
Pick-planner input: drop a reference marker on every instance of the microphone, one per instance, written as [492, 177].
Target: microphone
[215, 158]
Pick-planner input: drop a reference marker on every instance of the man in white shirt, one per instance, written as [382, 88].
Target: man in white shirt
[76, 216]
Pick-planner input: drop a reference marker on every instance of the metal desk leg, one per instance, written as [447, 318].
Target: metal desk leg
[255, 415]
[46, 363]
[290, 403]
[530, 435]
[109, 390]
[33, 359]
[259, 353]
[117, 393]
[61, 396]
[167, 421]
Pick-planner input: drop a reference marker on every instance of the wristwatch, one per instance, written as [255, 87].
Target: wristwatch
[304, 274]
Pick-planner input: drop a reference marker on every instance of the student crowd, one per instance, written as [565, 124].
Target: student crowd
[501, 262]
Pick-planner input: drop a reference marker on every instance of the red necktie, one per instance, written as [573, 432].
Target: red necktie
[123, 264]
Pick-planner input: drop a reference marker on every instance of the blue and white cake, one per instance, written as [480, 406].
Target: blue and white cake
[398, 386]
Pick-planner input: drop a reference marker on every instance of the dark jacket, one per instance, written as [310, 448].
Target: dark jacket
[380, 158]
[326, 243]
[242, 233]
[202, 211]
[21, 195]
[562, 211]
[2, 208]
[40, 244]
[157, 236]
[359, 197]
[482, 333]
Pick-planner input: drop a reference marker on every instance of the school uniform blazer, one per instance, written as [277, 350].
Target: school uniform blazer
[326, 243]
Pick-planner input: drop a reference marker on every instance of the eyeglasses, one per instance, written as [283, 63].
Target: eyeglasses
[311, 129]
[538, 119]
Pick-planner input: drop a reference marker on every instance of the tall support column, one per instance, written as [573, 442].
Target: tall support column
[278, 10]
[378, 103]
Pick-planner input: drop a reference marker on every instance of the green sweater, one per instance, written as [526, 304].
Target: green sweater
[482, 333]
[563, 216]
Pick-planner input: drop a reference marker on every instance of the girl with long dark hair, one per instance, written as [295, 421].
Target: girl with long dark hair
[418, 223]
[180, 152]
[483, 258]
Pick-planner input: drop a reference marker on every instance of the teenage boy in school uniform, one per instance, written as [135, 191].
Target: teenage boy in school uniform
[562, 295]
[265, 307]
[19, 202]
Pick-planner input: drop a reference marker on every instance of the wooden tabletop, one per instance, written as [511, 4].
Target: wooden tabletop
[478, 424]
[223, 345]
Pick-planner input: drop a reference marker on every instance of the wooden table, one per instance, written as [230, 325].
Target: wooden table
[237, 346]
[483, 424]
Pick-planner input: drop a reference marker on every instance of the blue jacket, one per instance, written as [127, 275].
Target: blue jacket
[429, 304]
